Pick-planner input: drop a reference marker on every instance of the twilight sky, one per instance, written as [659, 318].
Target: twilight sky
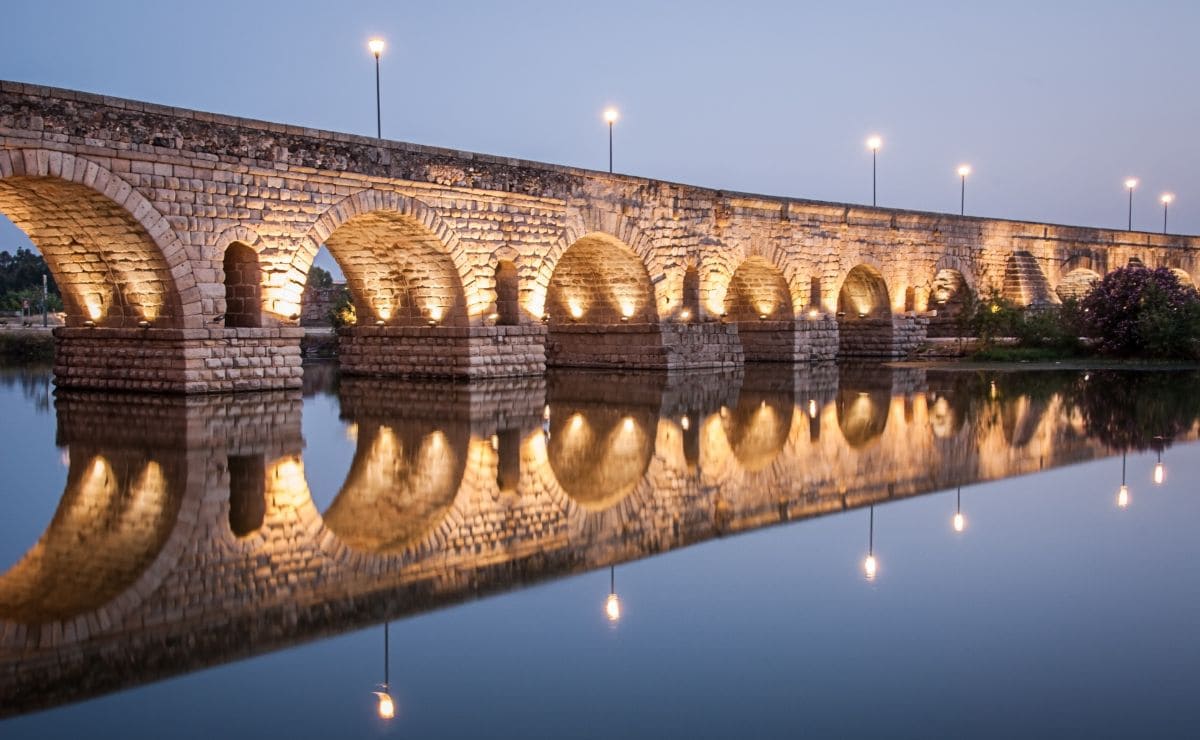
[1053, 103]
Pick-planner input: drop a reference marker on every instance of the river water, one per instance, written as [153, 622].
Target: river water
[772, 552]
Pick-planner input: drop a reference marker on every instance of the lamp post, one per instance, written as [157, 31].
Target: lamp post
[963, 171]
[960, 523]
[612, 605]
[386, 707]
[1123, 491]
[870, 567]
[873, 143]
[610, 117]
[376, 46]
[1166, 199]
[1131, 183]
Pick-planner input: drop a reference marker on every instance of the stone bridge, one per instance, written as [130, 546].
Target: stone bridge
[182, 241]
[187, 534]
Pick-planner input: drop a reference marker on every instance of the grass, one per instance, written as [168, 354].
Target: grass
[1025, 354]
[26, 346]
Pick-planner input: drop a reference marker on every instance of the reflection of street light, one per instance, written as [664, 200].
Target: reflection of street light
[959, 522]
[870, 567]
[1160, 473]
[387, 708]
[873, 144]
[612, 605]
[1123, 491]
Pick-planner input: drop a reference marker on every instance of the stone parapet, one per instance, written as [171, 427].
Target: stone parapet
[443, 351]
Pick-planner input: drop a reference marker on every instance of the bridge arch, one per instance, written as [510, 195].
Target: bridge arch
[950, 295]
[864, 313]
[1077, 283]
[1024, 282]
[402, 263]
[115, 258]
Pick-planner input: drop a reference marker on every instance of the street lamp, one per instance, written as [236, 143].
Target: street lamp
[870, 567]
[376, 46]
[1166, 199]
[873, 143]
[1131, 183]
[963, 171]
[612, 605]
[610, 117]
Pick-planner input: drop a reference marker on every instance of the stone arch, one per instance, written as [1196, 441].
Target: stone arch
[115, 258]
[402, 262]
[864, 314]
[1024, 282]
[402, 483]
[758, 291]
[690, 305]
[1185, 279]
[600, 280]
[950, 296]
[1076, 283]
[242, 278]
[508, 293]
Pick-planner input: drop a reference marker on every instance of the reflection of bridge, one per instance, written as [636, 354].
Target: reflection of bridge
[187, 535]
[182, 241]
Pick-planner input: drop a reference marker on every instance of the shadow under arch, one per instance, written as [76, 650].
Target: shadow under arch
[950, 297]
[864, 314]
[602, 434]
[760, 303]
[863, 398]
[94, 232]
[115, 516]
[758, 425]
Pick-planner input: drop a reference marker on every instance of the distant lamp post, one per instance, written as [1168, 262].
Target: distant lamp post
[963, 171]
[870, 567]
[960, 523]
[610, 117]
[386, 707]
[376, 46]
[1167, 199]
[1123, 491]
[612, 605]
[873, 143]
[1131, 183]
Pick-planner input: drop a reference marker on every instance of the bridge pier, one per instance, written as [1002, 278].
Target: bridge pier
[443, 351]
[177, 360]
[644, 346]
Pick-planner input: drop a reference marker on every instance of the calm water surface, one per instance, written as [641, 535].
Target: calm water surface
[225, 566]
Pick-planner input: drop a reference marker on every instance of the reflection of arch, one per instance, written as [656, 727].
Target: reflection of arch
[864, 314]
[1021, 417]
[243, 286]
[949, 297]
[863, 398]
[399, 258]
[599, 452]
[247, 494]
[113, 520]
[83, 217]
[757, 291]
[599, 280]
[757, 429]
[1077, 283]
[1024, 282]
[402, 482]
[508, 312]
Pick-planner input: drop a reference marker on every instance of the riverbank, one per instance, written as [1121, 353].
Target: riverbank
[26, 344]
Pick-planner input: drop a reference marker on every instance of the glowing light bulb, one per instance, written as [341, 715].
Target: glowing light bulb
[1131, 183]
[387, 708]
[874, 142]
[960, 523]
[1159, 473]
[1167, 198]
[964, 170]
[376, 46]
[611, 115]
[812, 408]
[686, 423]
[870, 567]
[1123, 497]
[612, 608]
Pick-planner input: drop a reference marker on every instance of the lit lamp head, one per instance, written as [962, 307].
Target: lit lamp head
[386, 708]
[1160, 473]
[874, 143]
[612, 608]
[1167, 198]
[611, 115]
[376, 46]
[1131, 182]
[960, 522]
[1123, 496]
[964, 170]
[870, 567]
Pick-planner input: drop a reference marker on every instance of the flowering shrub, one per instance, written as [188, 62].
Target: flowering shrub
[1143, 312]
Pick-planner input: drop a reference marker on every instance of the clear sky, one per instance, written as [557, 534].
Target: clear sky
[1054, 104]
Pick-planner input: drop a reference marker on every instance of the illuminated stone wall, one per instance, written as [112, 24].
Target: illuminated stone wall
[134, 206]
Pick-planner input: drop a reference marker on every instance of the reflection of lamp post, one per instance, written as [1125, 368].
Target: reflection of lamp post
[1159, 471]
[387, 708]
[959, 522]
[610, 117]
[376, 47]
[612, 605]
[870, 567]
[873, 144]
[1131, 183]
[1123, 491]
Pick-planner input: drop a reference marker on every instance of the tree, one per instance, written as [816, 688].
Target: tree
[21, 279]
[1149, 313]
[319, 278]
